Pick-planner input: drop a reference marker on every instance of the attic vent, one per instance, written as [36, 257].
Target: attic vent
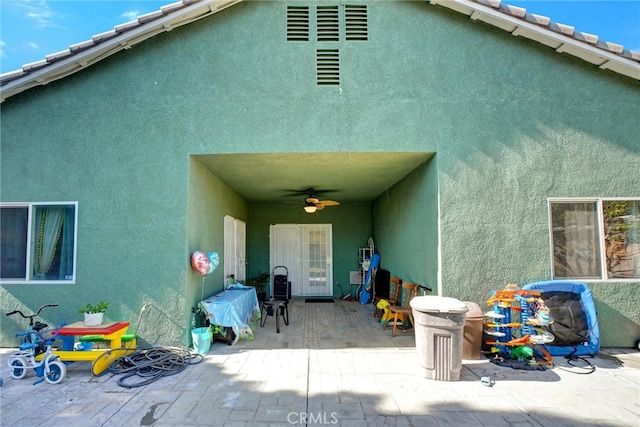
[328, 24]
[356, 25]
[328, 67]
[297, 23]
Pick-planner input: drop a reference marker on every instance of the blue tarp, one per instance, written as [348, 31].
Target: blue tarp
[365, 294]
[575, 324]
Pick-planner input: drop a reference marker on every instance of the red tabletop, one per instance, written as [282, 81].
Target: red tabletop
[79, 328]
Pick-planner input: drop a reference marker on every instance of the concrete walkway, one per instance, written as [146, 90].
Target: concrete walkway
[333, 365]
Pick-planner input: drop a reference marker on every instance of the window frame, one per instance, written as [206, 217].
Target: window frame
[31, 208]
[598, 201]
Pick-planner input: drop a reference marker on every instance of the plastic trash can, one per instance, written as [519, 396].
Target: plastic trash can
[438, 330]
[472, 332]
[201, 340]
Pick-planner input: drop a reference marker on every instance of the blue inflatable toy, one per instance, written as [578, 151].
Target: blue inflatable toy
[573, 311]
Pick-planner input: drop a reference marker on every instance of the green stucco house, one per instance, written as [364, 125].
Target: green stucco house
[477, 144]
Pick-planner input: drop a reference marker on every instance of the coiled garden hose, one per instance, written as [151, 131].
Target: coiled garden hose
[147, 365]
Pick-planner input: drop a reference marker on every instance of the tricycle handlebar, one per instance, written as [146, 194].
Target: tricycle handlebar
[32, 315]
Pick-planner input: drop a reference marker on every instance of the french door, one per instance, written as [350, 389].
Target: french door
[306, 251]
[235, 248]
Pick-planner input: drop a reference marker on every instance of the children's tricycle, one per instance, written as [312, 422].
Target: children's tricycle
[34, 343]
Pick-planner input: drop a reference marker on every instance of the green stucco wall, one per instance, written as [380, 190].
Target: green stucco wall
[405, 222]
[526, 129]
[209, 200]
[511, 123]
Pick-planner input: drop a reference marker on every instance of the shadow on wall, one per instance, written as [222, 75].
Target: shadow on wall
[156, 323]
[614, 325]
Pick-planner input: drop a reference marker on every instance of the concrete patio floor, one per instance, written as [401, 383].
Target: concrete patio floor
[333, 365]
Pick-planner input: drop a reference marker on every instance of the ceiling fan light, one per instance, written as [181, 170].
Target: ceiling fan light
[310, 209]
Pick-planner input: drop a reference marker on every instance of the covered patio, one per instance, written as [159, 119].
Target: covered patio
[333, 365]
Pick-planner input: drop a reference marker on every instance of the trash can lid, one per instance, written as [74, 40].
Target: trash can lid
[432, 303]
[475, 312]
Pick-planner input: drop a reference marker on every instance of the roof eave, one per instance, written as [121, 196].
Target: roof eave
[81, 55]
[561, 38]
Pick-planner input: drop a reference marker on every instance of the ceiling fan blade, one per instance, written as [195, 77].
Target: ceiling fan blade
[305, 191]
[312, 203]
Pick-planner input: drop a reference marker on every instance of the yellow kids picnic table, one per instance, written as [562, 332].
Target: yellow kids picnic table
[109, 332]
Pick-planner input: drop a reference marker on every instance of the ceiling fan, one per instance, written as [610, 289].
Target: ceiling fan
[313, 204]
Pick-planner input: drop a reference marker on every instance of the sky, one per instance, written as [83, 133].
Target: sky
[32, 29]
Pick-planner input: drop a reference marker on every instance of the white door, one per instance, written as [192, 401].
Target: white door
[306, 250]
[235, 247]
[316, 269]
[283, 239]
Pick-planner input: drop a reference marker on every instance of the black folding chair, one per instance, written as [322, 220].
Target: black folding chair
[278, 305]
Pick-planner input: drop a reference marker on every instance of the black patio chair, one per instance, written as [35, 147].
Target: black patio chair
[278, 305]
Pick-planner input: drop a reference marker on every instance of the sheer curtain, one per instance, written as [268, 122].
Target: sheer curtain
[54, 243]
[49, 222]
[66, 254]
[581, 242]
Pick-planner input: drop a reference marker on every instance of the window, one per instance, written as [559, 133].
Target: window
[38, 242]
[596, 239]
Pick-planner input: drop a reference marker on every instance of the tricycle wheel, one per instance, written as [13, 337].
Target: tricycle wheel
[637, 345]
[55, 372]
[18, 366]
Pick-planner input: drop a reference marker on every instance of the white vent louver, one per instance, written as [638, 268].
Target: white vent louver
[297, 23]
[328, 24]
[356, 24]
[328, 67]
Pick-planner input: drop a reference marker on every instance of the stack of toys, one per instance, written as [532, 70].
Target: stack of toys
[517, 326]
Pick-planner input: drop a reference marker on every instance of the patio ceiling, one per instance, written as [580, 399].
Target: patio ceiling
[353, 177]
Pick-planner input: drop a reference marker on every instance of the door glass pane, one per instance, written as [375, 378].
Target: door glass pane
[315, 260]
[241, 248]
[229, 254]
